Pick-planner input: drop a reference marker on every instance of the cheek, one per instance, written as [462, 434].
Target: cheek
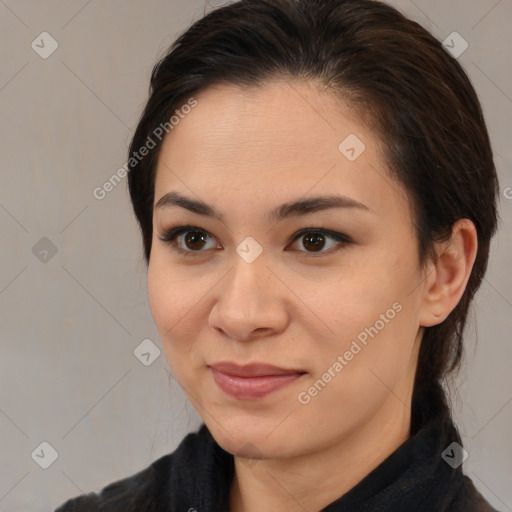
[160, 300]
[175, 303]
[373, 317]
[170, 298]
[369, 372]
[354, 303]
[167, 309]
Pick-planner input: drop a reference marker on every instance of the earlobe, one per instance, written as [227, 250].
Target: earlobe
[448, 276]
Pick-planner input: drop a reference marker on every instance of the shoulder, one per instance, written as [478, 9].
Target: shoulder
[469, 499]
[135, 492]
[148, 489]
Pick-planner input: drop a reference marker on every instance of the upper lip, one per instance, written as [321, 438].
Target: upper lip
[251, 370]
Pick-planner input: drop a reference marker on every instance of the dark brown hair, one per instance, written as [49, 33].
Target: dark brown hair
[423, 108]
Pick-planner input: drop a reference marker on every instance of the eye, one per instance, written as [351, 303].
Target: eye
[315, 239]
[190, 240]
[193, 237]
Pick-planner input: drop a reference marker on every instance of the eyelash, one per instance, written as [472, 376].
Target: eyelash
[169, 237]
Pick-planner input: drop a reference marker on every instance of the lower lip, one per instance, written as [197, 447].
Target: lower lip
[250, 388]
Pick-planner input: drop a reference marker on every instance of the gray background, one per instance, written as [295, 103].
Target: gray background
[70, 321]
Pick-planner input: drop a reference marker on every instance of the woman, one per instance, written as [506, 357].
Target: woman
[316, 192]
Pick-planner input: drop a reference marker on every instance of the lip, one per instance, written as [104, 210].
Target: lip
[252, 381]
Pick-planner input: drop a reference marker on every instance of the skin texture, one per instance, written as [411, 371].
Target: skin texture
[246, 151]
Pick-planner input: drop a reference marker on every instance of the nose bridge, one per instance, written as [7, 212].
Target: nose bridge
[245, 286]
[247, 302]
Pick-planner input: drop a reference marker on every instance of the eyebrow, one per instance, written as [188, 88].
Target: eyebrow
[292, 209]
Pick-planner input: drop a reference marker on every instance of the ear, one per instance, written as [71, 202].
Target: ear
[447, 278]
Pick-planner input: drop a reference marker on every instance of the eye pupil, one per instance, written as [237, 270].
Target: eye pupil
[313, 240]
[194, 237]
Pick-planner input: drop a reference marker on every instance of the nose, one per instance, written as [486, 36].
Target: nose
[251, 302]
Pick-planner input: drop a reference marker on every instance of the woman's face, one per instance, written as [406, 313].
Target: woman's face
[341, 315]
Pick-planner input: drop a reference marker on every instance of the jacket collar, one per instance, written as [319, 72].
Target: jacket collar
[415, 477]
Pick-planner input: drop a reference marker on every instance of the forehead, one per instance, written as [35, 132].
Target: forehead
[278, 140]
[276, 115]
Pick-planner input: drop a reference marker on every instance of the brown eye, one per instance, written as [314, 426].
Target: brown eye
[315, 241]
[187, 240]
[195, 240]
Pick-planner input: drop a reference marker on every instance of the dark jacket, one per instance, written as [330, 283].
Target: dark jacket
[196, 477]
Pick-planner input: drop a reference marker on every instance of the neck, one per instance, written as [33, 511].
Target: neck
[286, 484]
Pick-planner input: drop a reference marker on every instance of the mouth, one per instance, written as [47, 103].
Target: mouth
[253, 381]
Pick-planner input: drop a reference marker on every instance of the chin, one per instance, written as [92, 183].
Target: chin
[251, 439]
